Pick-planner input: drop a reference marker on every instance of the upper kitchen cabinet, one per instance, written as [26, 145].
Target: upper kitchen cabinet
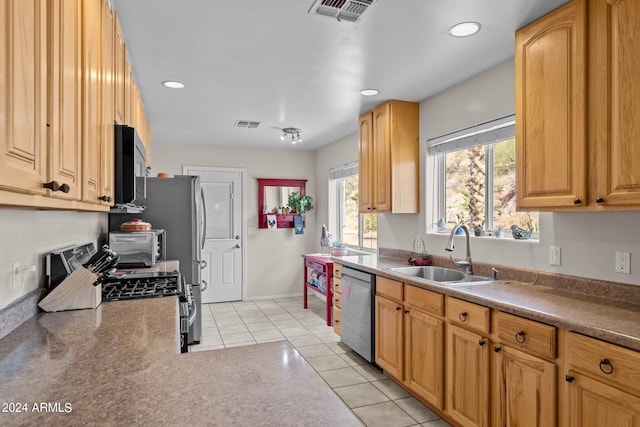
[107, 93]
[23, 96]
[119, 61]
[389, 158]
[614, 103]
[551, 151]
[577, 110]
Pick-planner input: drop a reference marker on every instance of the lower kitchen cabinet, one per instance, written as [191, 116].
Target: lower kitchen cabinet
[389, 353]
[424, 356]
[602, 384]
[467, 378]
[337, 298]
[524, 389]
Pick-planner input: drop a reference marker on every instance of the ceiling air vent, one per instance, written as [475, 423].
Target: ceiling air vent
[342, 10]
[246, 124]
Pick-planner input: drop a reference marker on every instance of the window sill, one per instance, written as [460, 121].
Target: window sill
[488, 236]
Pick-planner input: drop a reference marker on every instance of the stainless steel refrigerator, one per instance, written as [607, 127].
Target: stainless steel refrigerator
[177, 206]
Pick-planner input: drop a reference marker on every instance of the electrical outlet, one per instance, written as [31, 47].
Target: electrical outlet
[15, 274]
[554, 255]
[623, 261]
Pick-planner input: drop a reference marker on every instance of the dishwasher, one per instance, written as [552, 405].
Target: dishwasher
[358, 296]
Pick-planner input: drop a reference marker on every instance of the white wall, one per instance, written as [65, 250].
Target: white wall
[28, 235]
[273, 259]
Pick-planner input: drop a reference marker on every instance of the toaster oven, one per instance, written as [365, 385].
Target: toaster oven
[138, 248]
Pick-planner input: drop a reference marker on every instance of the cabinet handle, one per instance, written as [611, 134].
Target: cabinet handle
[53, 186]
[520, 338]
[569, 378]
[497, 349]
[482, 343]
[398, 308]
[463, 316]
[600, 200]
[65, 188]
[606, 366]
[105, 198]
[577, 201]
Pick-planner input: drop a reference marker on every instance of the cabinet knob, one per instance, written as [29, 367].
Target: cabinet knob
[463, 316]
[497, 349]
[569, 378]
[336, 321]
[406, 312]
[65, 188]
[53, 186]
[600, 200]
[398, 308]
[520, 338]
[105, 198]
[606, 366]
[482, 343]
[577, 201]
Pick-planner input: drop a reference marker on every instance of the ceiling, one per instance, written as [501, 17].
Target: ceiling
[273, 62]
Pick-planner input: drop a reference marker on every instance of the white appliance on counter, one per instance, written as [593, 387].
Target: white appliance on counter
[177, 205]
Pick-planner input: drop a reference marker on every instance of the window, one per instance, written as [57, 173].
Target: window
[345, 222]
[477, 177]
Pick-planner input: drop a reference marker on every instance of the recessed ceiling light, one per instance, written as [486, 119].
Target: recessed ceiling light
[369, 92]
[464, 29]
[173, 84]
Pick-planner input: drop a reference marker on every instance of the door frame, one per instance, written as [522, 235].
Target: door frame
[243, 221]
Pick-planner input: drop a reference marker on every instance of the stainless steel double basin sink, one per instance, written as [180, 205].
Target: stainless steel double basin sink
[443, 276]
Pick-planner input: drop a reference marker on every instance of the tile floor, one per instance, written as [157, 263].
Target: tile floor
[370, 394]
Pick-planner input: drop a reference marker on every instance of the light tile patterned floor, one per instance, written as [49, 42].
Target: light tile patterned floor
[370, 394]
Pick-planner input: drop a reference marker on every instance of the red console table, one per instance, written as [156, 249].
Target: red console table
[318, 275]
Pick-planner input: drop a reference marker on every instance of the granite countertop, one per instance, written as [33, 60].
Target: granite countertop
[607, 319]
[120, 365]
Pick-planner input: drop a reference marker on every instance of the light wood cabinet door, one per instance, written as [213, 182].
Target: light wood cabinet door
[551, 134]
[614, 102]
[107, 121]
[365, 163]
[424, 356]
[525, 389]
[388, 333]
[467, 377]
[23, 95]
[381, 143]
[595, 404]
[92, 25]
[119, 59]
[65, 143]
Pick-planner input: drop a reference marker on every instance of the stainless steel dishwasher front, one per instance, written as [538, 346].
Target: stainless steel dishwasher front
[358, 292]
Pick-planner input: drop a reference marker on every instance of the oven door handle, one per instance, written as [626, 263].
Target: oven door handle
[192, 317]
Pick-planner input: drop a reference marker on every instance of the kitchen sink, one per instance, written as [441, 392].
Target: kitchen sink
[443, 276]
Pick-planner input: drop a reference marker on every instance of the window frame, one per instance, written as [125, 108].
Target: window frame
[336, 215]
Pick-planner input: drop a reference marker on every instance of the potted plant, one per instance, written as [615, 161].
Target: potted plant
[299, 204]
[338, 248]
[499, 231]
[478, 231]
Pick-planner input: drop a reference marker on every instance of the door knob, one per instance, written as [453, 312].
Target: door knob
[237, 237]
[238, 246]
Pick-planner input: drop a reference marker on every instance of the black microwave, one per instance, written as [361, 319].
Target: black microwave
[130, 169]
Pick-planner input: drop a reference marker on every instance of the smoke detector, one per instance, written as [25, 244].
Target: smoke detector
[342, 10]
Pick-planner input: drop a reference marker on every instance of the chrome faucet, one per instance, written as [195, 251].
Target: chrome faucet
[466, 263]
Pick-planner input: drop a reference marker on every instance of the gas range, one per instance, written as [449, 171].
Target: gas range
[142, 285]
[129, 286]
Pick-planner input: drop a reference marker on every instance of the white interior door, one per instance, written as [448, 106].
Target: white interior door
[223, 248]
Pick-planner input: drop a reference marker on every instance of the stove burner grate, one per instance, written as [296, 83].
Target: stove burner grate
[135, 288]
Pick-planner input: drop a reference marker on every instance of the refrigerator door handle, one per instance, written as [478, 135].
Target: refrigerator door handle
[204, 218]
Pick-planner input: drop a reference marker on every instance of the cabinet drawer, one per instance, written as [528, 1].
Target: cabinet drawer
[425, 300]
[611, 363]
[337, 299]
[315, 265]
[526, 334]
[337, 284]
[389, 288]
[337, 270]
[337, 320]
[468, 314]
